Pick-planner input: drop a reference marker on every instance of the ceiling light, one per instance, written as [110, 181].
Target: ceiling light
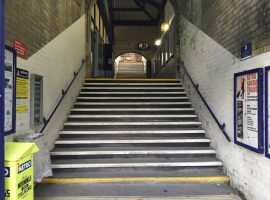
[158, 42]
[165, 27]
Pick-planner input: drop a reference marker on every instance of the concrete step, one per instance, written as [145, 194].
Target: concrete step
[133, 98]
[141, 123]
[132, 133]
[132, 88]
[132, 109]
[134, 140]
[135, 93]
[131, 152]
[131, 116]
[131, 103]
[130, 80]
[147, 84]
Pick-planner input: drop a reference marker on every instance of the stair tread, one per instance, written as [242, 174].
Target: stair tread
[100, 149]
[136, 160]
[143, 130]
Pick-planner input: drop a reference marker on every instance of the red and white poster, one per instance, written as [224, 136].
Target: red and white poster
[20, 48]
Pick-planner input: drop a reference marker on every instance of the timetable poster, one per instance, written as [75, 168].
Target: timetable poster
[248, 110]
[10, 85]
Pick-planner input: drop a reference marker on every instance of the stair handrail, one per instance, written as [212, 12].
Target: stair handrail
[64, 92]
[196, 86]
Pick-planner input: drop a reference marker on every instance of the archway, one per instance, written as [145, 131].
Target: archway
[130, 65]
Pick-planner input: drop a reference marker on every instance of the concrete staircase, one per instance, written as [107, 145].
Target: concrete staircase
[134, 139]
[132, 127]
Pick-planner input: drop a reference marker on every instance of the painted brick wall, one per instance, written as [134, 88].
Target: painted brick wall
[56, 62]
[128, 37]
[232, 23]
[36, 23]
[213, 67]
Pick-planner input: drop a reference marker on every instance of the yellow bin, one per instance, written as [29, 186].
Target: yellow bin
[19, 170]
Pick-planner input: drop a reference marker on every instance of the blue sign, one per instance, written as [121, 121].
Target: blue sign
[246, 51]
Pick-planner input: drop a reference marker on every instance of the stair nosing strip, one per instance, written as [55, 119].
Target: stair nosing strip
[134, 132]
[133, 93]
[132, 116]
[142, 141]
[132, 103]
[132, 109]
[153, 164]
[131, 152]
[129, 123]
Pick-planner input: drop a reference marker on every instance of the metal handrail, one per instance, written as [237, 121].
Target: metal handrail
[196, 86]
[64, 92]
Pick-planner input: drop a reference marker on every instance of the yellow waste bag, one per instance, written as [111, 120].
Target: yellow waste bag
[19, 170]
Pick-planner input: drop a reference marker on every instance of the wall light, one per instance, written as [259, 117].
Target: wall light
[165, 27]
[158, 42]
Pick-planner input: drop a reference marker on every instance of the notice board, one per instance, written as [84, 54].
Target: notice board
[248, 109]
[10, 90]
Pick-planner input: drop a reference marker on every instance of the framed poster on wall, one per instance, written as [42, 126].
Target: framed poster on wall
[267, 114]
[10, 90]
[248, 109]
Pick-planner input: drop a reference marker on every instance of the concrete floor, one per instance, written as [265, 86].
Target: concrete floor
[223, 197]
[136, 191]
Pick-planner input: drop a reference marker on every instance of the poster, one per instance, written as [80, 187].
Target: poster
[267, 114]
[22, 90]
[248, 111]
[10, 67]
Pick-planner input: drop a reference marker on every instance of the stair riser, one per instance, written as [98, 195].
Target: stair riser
[132, 90]
[205, 144]
[146, 82]
[132, 95]
[136, 169]
[133, 106]
[131, 100]
[108, 127]
[131, 156]
[142, 86]
[74, 119]
[131, 112]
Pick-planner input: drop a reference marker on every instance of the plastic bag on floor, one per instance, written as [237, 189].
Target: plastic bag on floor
[42, 159]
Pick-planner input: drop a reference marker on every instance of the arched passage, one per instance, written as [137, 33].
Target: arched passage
[130, 65]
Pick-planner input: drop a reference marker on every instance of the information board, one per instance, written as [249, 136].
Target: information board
[10, 90]
[267, 114]
[22, 90]
[248, 109]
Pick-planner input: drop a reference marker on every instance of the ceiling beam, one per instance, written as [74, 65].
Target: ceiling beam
[144, 10]
[134, 23]
[150, 2]
[161, 11]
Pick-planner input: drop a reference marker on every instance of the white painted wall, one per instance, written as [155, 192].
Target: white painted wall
[213, 67]
[56, 62]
